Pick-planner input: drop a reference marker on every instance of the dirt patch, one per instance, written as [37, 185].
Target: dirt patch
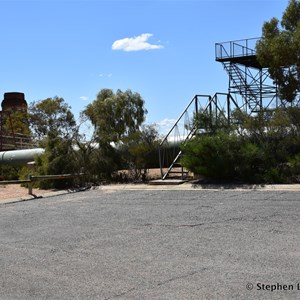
[151, 173]
[14, 191]
[154, 174]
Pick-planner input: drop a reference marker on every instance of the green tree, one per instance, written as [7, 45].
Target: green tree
[15, 122]
[54, 126]
[279, 50]
[51, 117]
[115, 115]
[140, 151]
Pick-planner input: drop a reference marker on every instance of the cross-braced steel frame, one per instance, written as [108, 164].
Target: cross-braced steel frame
[249, 81]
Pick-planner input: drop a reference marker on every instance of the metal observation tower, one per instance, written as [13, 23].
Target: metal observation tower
[250, 89]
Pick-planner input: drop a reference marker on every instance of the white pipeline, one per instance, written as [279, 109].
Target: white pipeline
[19, 157]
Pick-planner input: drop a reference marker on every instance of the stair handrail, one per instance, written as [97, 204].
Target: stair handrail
[212, 102]
[191, 132]
[180, 117]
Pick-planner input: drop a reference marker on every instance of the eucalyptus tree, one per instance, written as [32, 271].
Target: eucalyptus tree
[51, 117]
[53, 125]
[116, 115]
[279, 49]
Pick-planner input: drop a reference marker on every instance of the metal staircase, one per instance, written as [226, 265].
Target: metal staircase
[187, 125]
[239, 84]
[249, 81]
[182, 131]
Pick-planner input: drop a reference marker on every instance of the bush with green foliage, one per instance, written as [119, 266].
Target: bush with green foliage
[211, 155]
[59, 158]
[8, 172]
[139, 152]
[263, 148]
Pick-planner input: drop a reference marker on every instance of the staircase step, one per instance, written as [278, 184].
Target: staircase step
[166, 182]
[178, 172]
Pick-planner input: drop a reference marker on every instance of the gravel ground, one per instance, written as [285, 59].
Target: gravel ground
[152, 244]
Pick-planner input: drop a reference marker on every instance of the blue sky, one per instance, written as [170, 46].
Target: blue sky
[162, 49]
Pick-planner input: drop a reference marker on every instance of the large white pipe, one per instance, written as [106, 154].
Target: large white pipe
[19, 157]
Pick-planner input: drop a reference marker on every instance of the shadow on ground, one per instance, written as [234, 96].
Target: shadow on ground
[218, 184]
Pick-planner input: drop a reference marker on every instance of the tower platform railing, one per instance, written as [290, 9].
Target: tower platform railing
[237, 48]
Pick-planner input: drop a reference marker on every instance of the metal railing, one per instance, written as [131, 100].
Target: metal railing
[16, 142]
[182, 130]
[236, 48]
[31, 179]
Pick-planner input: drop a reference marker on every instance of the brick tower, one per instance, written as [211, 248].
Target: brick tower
[14, 127]
[14, 101]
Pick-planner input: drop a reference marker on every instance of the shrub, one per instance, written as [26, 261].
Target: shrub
[213, 156]
[230, 157]
[250, 161]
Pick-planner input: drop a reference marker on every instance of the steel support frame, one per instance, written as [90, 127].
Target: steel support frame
[257, 93]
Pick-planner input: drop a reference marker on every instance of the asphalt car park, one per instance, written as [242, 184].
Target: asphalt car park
[152, 244]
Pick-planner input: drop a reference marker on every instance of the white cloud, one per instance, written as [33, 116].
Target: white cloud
[178, 134]
[84, 98]
[165, 125]
[166, 122]
[136, 43]
[105, 75]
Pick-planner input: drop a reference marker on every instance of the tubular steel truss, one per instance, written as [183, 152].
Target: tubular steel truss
[250, 90]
